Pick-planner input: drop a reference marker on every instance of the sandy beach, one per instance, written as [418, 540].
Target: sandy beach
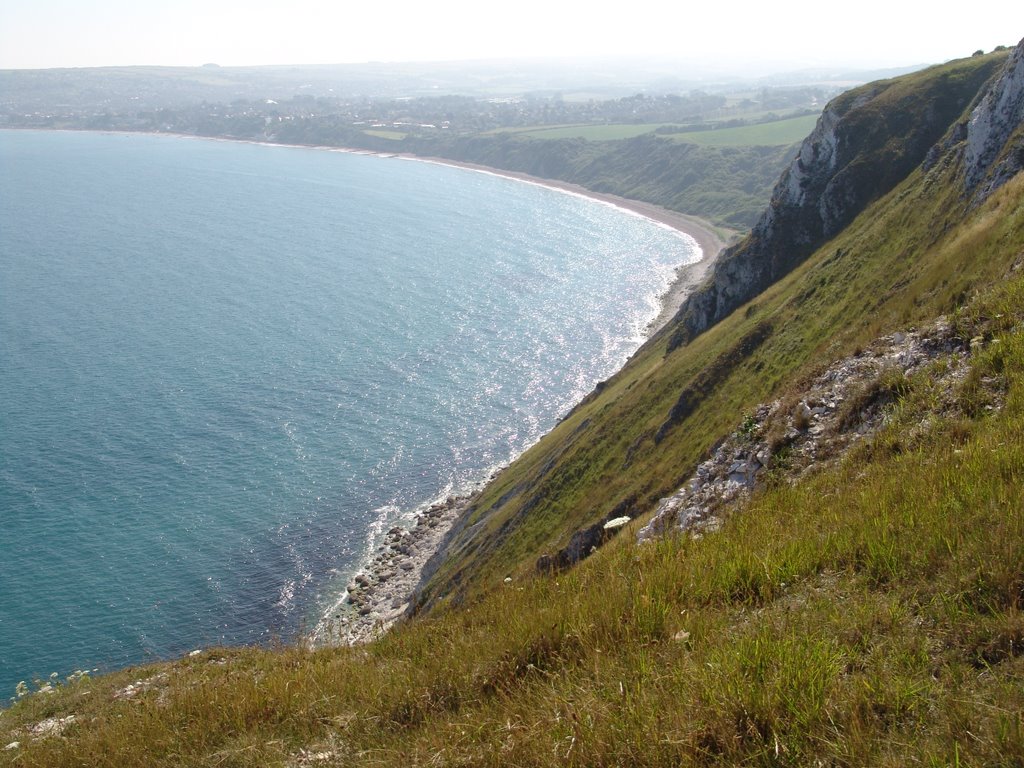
[379, 594]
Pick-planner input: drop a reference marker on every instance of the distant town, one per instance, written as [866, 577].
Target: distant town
[341, 104]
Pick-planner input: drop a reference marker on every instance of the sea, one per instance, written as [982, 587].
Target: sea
[226, 368]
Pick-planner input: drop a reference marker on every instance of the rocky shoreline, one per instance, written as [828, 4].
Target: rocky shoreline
[380, 593]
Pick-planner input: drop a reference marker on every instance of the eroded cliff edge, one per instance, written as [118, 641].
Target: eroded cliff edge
[865, 143]
[617, 452]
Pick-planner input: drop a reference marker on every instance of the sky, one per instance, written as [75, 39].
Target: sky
[88, 33]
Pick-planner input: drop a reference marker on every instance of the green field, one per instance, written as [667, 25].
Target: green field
[589, 132]
[771, 134]
[386, 134]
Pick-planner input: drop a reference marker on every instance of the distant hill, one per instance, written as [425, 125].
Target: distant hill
[479, 112]
[155, 87]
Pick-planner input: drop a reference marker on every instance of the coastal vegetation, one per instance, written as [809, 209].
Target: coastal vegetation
[772, 131]
[628, 445]
[778, 132]
[864, 612]
[726, 185]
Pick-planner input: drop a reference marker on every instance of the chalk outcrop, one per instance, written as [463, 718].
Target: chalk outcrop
[865, 143]
[994, 141]
[842, 406]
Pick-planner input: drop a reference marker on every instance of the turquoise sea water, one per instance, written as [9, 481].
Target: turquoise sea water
[224, 367]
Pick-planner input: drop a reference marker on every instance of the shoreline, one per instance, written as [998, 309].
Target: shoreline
[688, 276]
[379, 593]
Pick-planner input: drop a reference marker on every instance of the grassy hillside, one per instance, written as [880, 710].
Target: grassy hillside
[906, 259]
[869, 613]
[771, 133]
[590, 131]
[782, 132]
[728, 185]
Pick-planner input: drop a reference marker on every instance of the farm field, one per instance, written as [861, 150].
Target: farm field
[775, 133]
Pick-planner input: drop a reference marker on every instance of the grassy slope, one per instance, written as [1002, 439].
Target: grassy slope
[869, 615]
[590, 131]
[894, 266]
[782, 132]
[773, 133]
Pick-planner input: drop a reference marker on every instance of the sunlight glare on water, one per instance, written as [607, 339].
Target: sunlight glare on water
[226, 368]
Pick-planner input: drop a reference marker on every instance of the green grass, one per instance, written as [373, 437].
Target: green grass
[871, 614]
[890, 269]
[385, 134]
[770, 134]
[894, 267]
[590, 132]
[727, 185]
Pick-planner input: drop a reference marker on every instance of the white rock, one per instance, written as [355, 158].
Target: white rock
[52, 726]
[618, 522]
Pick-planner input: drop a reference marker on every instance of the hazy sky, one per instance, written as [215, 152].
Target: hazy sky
[79, 33]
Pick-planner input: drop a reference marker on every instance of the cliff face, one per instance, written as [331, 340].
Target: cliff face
[865, 143]
[994, 142]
